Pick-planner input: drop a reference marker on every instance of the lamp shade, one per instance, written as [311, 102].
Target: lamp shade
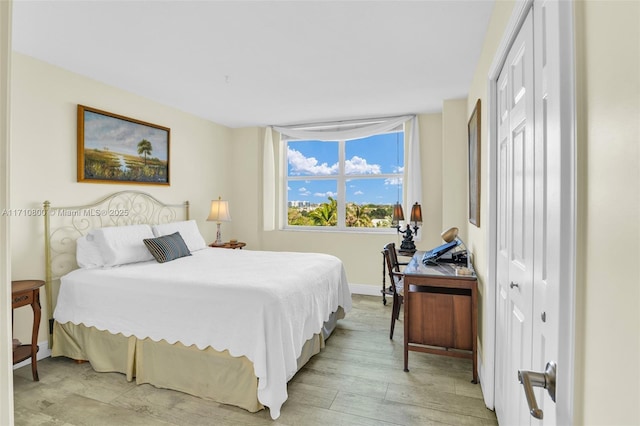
[449, 234]
[398, 214]
[219, 211]
[416, 213]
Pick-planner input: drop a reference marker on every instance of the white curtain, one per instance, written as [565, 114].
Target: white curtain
[413, 170]
[345, 130]
[268, 182]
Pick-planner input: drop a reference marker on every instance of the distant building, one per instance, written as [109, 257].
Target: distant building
[299, 204]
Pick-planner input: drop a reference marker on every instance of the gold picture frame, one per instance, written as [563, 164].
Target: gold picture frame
[473, 129]
[117, 149]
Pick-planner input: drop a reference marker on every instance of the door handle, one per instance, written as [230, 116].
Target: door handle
[514, 285]
[546, 380]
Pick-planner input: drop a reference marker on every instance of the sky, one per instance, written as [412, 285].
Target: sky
[373, 160]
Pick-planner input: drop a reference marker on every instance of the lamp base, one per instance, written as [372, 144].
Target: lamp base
[407, 240]
[218, 241]
[407, 246]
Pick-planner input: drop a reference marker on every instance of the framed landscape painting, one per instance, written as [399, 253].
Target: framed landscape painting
[474, 165]
[117, 149]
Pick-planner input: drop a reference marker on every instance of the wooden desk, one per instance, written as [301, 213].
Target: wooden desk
[440, 311]
[23, 293]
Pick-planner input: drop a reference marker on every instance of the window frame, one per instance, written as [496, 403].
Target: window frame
[341, 181]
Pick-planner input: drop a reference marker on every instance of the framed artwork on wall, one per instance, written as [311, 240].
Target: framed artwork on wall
[117, 149]
[474, 165]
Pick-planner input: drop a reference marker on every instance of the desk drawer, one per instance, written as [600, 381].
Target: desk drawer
[22, 299]
[440, 319]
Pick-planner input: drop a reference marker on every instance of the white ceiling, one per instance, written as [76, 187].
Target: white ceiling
[256, 63]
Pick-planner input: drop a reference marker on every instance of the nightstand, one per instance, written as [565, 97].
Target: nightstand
[23, 293]
[230, 245]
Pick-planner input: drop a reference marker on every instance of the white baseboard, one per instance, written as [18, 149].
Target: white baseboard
[43, 352]
[366, 289]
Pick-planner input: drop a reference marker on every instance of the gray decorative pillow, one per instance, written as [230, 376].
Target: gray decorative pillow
[167, 247]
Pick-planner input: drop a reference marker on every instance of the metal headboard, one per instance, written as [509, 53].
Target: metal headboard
[64, 225]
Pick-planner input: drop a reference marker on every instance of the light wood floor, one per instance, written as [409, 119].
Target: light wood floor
[356, 380]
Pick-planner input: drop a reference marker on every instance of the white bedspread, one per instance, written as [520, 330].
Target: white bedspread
[263, 305]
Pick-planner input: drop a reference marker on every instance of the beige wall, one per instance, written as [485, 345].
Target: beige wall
[433, 130]
[477, 236]
[608, 284]
[478, 90]
[245, 176]
[454, 155]
[6, 372]
[43, 158]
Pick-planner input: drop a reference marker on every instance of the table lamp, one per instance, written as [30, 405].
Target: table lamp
[219, 212]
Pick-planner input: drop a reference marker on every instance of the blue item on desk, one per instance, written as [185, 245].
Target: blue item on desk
[431, 257]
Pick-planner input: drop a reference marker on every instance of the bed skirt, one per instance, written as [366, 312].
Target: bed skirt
[206, 373]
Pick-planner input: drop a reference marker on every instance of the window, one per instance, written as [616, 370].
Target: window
[344, 184]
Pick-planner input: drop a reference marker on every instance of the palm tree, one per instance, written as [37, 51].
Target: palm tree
[297, 218]
[325, 214]
[357, 216]
[144, 148]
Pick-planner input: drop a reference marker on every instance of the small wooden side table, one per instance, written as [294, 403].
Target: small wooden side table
[23, 293]
[230, 245]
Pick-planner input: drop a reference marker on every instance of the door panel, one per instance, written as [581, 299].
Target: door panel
[515, 257]
[549, 242]
[502, 255]
[521, 346]
[533, 226]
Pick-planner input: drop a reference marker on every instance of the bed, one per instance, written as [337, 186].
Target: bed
[233, 326]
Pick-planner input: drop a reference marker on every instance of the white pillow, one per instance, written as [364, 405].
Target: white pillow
[188, 230]
[120, 245]
[88, 254]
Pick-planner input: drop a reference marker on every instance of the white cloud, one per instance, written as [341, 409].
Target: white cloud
[358, 165]
[325, 194]
[393, 181]
[309, 165]
[303, 165]
[304, 191]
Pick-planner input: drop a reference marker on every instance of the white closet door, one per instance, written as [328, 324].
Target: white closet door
[534, 222]
[549, 243]
[515, 257]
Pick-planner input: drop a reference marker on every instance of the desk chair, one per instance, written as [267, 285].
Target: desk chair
[396, 281]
